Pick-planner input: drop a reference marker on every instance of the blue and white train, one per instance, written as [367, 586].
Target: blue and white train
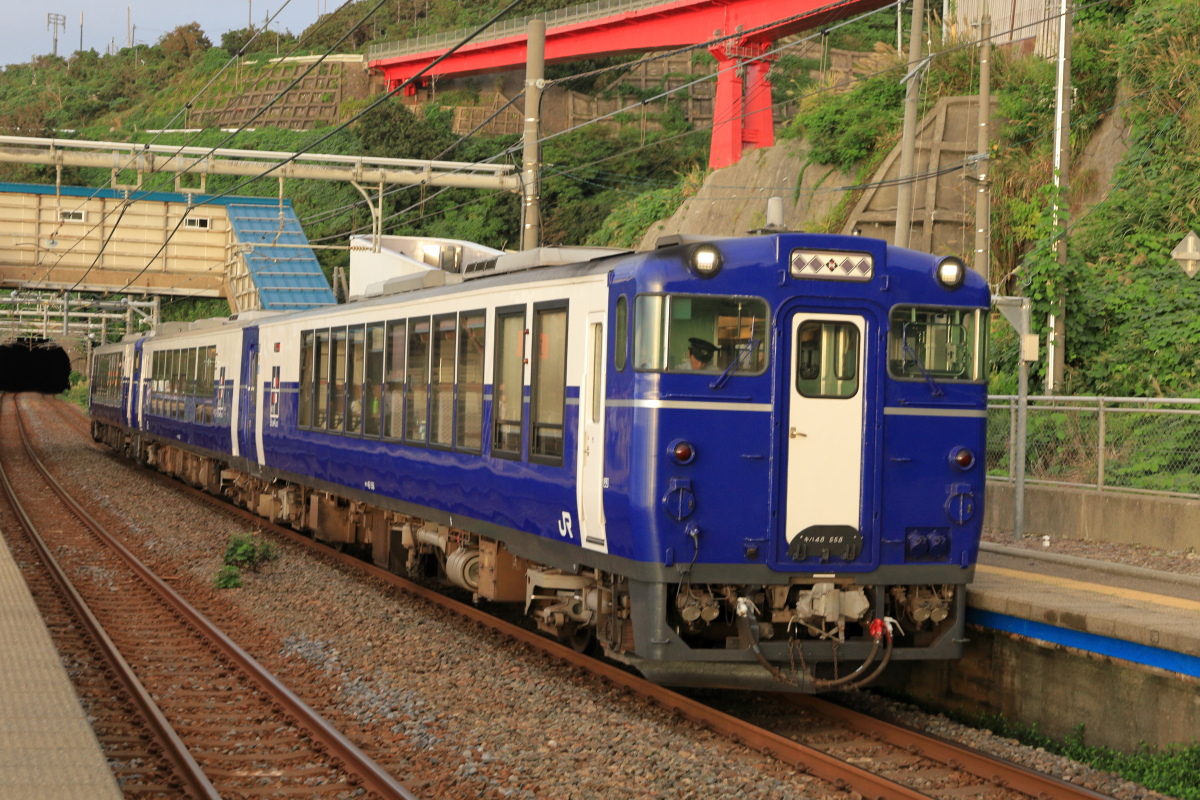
[743, 462]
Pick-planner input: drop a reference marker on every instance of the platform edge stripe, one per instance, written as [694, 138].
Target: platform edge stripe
[1143, 654]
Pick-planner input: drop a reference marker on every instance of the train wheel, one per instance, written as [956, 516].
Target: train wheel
[581, 640]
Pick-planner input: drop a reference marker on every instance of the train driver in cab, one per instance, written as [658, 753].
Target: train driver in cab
[699, 354]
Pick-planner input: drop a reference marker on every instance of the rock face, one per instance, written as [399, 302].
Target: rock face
[733, 200]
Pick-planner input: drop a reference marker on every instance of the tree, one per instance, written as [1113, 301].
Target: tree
[185, 41]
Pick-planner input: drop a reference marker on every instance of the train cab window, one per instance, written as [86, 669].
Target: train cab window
[547, 391]
[337, 380]
[304, 402]
[416, 405]
[373, 381]
[508, 382]
[700, 333]
[321, 378]
[469, 401]
[946, 344]
[441, 381]
[354, 380]
[827, 359]
[621, 333]
[393, 405]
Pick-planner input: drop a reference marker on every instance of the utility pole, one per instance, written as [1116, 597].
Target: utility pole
[908, 144]
[53, 23]
[1056, 343]
[983, 189]
[81, 31]
[535, 73]
[129, 26]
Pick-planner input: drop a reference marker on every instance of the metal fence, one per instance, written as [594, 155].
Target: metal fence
[1122, 444]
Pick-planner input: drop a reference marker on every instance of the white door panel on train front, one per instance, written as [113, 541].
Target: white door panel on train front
[825, 430]
[590, 484]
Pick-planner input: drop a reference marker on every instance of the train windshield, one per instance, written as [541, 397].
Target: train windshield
[700, 333]
[946, 344]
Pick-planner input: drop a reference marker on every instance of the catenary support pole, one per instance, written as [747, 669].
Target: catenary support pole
[983, 189]
[535, 73]
[908, 145]
[1056, 344]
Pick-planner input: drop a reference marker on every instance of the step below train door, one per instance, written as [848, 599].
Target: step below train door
[590, 484]
[824, 447]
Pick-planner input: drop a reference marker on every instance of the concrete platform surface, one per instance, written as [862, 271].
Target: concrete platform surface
[1125, 605]
[47, 748]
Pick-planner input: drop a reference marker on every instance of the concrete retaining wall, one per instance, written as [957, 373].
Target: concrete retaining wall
[1164, 522]
[1120, 705]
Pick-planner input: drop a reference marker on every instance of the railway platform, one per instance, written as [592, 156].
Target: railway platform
[1144, 616]
[1075, 646]
[48, 750]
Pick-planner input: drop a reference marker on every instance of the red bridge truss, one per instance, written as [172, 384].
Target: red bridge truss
[742, 117]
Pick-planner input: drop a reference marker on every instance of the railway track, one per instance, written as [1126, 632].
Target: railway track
[848, 750]
[195, 716]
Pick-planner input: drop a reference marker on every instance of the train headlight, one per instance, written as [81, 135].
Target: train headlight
[705, 261]
[951, 272]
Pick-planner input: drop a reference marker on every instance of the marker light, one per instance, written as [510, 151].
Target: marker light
[683, 452]
[951, 272]
[962, 458]
[705, 261]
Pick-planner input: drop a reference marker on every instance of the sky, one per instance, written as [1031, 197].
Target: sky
[25, 33]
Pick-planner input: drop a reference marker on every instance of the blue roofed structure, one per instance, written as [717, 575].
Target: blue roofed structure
[273, 266]
[250, 250]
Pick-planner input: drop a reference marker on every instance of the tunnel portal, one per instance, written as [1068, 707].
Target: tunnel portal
[34, 365]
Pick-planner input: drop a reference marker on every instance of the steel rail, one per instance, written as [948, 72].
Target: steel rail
[185, 767]
[374, 778]
[1001, 772]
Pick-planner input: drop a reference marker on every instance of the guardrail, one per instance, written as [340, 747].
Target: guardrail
[513, 27]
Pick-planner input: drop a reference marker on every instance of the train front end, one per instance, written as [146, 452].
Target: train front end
[807, 418]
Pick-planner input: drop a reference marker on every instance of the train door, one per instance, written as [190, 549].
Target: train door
[134, 417]
[590, 485]
[824, 447]
[248, 405]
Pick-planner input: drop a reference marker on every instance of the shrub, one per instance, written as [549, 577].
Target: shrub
[248, 552]
[228, 578]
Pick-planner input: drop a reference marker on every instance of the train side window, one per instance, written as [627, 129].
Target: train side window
[373, 384]
[471, 341]
[945, 344]
[416, 405]
[354, 397]
[548, 385]
[827, 359]
[441, 381]
[337, 379]
[620, 333]
[393, 406]
[321, 380]
[304, 401]
[508, 382]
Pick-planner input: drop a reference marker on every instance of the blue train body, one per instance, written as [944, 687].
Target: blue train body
[709, 459]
